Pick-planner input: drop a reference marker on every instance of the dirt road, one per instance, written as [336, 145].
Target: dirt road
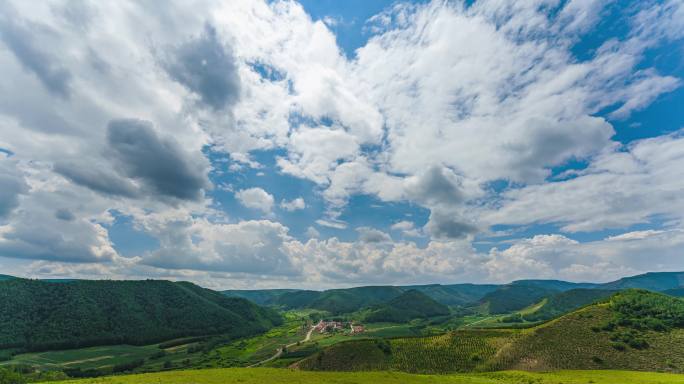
[279, 351]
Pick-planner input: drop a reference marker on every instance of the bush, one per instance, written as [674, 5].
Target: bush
[9, 376]
[619, 346]
[129, 366]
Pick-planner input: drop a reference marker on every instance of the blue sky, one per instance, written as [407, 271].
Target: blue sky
[327, 143]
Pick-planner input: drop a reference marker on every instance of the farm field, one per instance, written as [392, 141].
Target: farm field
[85, 358]
[284, 376]
[182, 353]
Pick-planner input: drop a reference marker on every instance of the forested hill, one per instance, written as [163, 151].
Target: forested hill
[37, 315]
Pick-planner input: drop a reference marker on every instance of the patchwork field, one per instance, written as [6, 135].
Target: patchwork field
[284, 376]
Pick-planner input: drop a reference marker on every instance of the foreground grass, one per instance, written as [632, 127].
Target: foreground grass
[283, 376]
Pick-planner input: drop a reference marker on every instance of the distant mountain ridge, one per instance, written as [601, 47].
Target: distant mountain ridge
[512, 296]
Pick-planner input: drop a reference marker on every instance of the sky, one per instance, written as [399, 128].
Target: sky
[259, 144]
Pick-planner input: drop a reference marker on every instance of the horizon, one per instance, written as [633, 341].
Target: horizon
[319, 144]
[361, 286]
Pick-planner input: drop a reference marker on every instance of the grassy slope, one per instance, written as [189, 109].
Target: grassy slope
[565, 302]
[459, 351]
[514, 297]
[283, 376]
[569, 342]
[579, 340]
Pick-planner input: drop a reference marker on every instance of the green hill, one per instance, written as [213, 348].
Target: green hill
[455, 294]
[338, 301]
[565, 302]
[514, 297]
[38, 315]
[6, 277]
[653, 281]
[405, 307]
[634, 329]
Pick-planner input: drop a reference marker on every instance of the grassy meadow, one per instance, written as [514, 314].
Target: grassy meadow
[284, 376]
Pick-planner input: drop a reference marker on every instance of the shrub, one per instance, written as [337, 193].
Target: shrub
[618, 346]
[9, 376]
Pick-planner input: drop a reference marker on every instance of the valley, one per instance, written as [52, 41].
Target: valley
[513, 327]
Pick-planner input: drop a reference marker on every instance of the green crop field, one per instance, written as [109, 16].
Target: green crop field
[85, 358]
[284, 376]
[182, 353]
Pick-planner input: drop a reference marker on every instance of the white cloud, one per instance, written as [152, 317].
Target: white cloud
[556, 256]
[621, 187]
[312, 233]
[293, 205]
[407, 228]
[636, 235]
[251, 247]
[314, 152]
[255, 198]
[443, 99]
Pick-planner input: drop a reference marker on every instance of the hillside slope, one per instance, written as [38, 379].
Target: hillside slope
[567, 301]
[455, 294]
[287, 376]
[37, 315]
[634, 330]
[514, 297]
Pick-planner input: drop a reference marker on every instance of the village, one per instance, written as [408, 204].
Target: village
[338, 326]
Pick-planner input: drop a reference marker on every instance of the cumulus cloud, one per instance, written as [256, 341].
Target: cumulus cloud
[251, 247]
[315, 152]
[98, 178]
[372, 235]
[12, 184]
[407, 228]
[293, 205]
[74, 233]
[207, 68]
[556, 256]
[436, 186]
[449, 225]
[444, 99]
[22, 38]
[623, 186]
[255, 198]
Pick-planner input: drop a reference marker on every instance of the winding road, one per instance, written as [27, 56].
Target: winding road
[279, 351]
